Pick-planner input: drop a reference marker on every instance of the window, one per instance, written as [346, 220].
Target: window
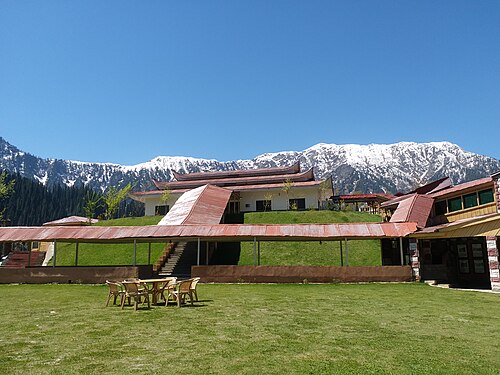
[463, 202]
[470, 200]
[161, 210]
[263, 205]
[486, 196]
[440, 208]
[454, 204]
[233, 207]
[297, 204]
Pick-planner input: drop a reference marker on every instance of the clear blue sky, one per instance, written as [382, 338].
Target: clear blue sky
[125, 81]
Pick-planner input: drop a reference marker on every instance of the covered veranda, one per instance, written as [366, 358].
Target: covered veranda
[206, 234]
[463, 253]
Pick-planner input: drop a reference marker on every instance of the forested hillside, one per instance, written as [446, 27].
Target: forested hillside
[32, 203]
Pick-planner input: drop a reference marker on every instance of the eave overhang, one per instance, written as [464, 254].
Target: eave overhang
[480, 226]
[215, 232]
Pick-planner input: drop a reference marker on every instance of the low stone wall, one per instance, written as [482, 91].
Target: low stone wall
[300, 274]
[68, 275]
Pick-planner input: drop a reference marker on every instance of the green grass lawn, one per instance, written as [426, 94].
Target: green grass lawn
[253, 329]
[99, 254]
[361, 253]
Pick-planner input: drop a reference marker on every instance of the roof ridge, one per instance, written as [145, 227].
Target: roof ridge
[294, 168]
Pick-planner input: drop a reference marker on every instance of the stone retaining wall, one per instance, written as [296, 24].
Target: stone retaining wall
[68, 275]
[300, 274]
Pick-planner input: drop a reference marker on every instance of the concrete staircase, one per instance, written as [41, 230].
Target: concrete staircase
[180, 261]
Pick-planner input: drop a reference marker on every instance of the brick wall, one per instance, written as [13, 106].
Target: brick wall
[497, 192]
[493, 262]
[300, 274]
[68, 275]
[414, 258]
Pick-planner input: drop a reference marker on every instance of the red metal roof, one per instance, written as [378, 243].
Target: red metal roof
[395, 201]
[273, 186]
[295, 168]
[157, 192]
[139, 195]
[203, 205]
[416, 208]
[362, 197]
[223, 182]
[71, 220]
[482, 182]
[212, 232]
[433, 186]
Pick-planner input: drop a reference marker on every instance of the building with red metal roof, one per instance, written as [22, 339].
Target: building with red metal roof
[442, 232]
[362, 202]
[71, 221]
[262, 189]
[457, 241]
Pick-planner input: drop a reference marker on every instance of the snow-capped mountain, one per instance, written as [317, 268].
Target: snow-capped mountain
[364, 168]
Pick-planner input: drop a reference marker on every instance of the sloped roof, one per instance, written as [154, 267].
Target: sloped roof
[139, 196]
[212, 232]
[273, 186]
[472, 185]
[484, 225]
[71, 221]
[433, 186]
[294, 168]
[203, 205]
[394, 201]
[234, 181]
[415, 208]
[365, 197]
[427, 189]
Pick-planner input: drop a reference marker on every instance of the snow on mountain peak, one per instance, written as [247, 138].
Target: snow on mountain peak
[353, 167]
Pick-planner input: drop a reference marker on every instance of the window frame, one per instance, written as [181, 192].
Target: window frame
[263, 205]
[451, 201]
[160, 207]
[483, 197]
[296, 201]
[470, 195]
[486, 191]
